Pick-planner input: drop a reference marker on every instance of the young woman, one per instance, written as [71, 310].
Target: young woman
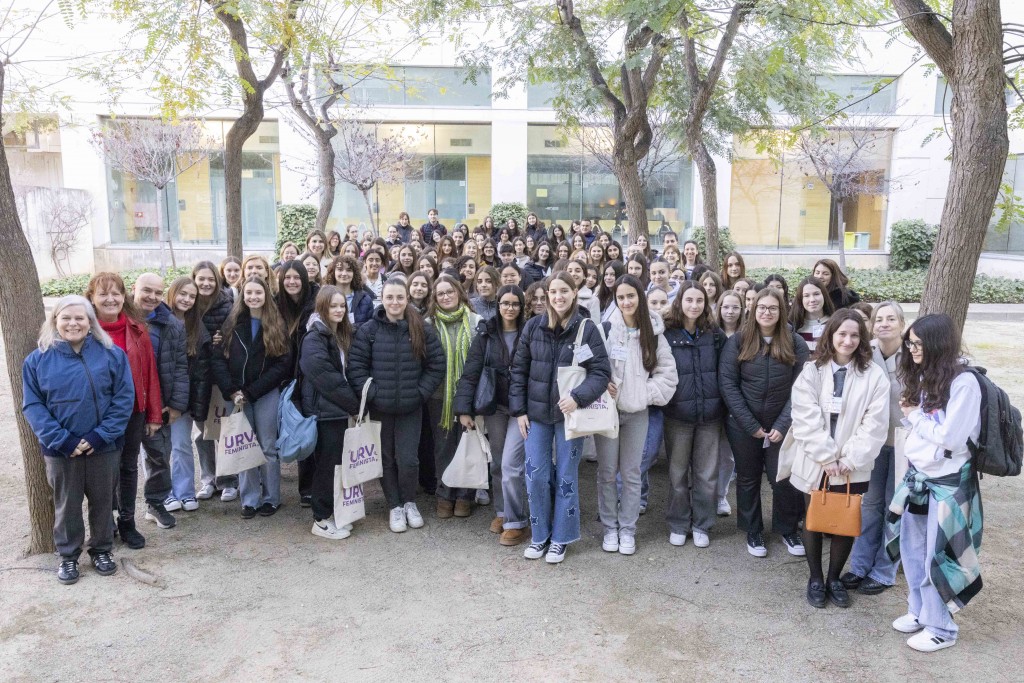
[749, 296]
[405, 360]
[835, 280]
[540, 263]
[657, 301]
[452, 317]
[446, 247]
[181, 298]
[811, 310]
[865, 310]
[636, 265]
[557, 234]
[419, 287]
[938, 542]
[334, 244]
[494, 346]
[352, 230]
[466, 267]
[533, 225]
[613, 270]
[426, 264]
[521, 255]
[316, 244]
[252, 361]
[213, 305]
[547, 342]
[513, 226]
[645, 246]
[254, 264]
[672, 256]
[372, 273]
[757, 370]
[742, 285]
[393, 239]
[489, 254]
[659, 270]
[406, 261]
[345, 274]
[693, 418]
[327, 395]
[471, 249]
[578, 242]
[231, 273]
[613, 252]
[562, 251]
[712, 285]
[505, 236]
[871, 569]
[78, 400]
[691, 257]
[777, 282]
[119, 318]
[459, 239]
[643, 375]
[729, 318]
[511, 274]
[350, 249]
[311, 264]
[577, 270]
[536, 299]
[840, 409]
[595, 255]
[733, 270]
[289, 252]
[485, 303]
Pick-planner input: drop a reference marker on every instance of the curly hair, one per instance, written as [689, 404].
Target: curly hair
[928, 384]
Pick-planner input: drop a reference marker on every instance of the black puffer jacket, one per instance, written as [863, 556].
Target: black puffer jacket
[533, 387]
[401, 381]
[757, 391]
[487, 350]
[171, 359]
[248, 368]
[484, 308]
[325, 389]
[535, 271]
[698, 399]
[308, 306]
[362, 306]
[200, 381]
[218, 313]
[840, 301]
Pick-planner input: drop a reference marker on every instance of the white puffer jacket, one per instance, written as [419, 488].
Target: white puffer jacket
[638, 388]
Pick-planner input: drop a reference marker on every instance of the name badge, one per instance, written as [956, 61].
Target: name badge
[584, 353]
[834, 405]
[817, 330]
[619, 353]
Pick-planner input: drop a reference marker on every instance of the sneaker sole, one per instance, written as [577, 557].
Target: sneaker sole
[757, 552]
[532, 556]
[931, 647]
[152, 518]
[627, 551]
[200, 496]
[554, 559]
[911, 630]
[796, 552]
[109, 572]
[190, 508]
[398, 530]
[415, 525]
[317, 531]
[68, 582]
[173, 507]
[702, 544]
[610, 548]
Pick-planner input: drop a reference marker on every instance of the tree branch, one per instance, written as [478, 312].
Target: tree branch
[934, 37]
[567, 16]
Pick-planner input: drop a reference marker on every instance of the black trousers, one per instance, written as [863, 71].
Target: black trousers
[752, 461]
[307, 468]
[126, 486]
[330, 438]
[427, 471]
[400, 440]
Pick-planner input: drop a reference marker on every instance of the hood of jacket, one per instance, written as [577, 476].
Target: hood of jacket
[315, 320]
[161, 315]
[617, 323]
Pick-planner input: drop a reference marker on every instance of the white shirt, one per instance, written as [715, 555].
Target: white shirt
[932, 434]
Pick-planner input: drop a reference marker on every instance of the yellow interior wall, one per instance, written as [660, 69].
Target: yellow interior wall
[478, 190]
[754, 202]
[195, 222]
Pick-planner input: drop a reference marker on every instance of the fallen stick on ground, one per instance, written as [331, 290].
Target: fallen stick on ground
[139, 574]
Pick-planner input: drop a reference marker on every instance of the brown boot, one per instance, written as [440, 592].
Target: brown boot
[445, 508]
[513, 536]
[496, 525]
[463, 508]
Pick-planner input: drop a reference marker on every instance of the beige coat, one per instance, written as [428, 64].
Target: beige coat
[638, 388]
[861, 430]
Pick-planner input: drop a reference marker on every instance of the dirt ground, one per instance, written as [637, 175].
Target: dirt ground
[266, 600]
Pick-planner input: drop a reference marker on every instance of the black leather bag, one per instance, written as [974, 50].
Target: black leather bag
[485, 400]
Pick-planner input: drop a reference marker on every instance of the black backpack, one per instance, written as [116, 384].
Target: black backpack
[1000, 443]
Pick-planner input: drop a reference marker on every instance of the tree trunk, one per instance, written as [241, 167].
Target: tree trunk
[21, 315]
[241, 130]
[328, 183]
[972, 61]
[369, 210]
[842, 235]
[628, 175]
[708, 176]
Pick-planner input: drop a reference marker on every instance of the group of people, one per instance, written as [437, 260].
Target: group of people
[447, 332]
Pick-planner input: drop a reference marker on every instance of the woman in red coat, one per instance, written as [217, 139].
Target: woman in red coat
[119, 319]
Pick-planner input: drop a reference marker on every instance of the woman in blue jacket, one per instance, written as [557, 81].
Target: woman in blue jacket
[548, 342]
[78, 398]
[345, 274]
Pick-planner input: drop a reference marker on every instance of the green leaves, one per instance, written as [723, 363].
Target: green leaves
[910, 244]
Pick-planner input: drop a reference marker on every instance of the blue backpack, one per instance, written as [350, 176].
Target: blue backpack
[296, 433]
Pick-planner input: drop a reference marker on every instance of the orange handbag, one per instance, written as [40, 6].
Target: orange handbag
[834, 513]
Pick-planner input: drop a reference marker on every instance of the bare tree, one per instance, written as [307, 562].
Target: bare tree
[66, 213]
[841, 158]
[155, 152]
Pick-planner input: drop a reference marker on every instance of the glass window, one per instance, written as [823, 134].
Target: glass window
[435, 86]
[944, 97]
[540, 95]
[1010, 240]
[858, 90]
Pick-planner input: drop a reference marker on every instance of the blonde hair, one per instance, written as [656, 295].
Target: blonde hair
[48, 335]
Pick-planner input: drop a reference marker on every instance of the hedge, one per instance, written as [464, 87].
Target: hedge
[76, 284]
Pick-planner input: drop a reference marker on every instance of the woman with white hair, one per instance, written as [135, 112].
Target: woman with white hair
[79, 396]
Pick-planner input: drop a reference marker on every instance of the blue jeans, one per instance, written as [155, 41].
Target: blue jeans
[917, 547]
[869, 558]
[655, 429]
[183, 462]
[553, 491]
[263, 484]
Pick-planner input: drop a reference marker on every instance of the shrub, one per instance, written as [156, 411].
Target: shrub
[297, 220]
[725, 243]
[910, 244]
[502, 212]
[76, 284]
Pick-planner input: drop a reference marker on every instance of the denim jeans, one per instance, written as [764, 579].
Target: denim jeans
[869, 558]
[621, 457]
[262, 484]
[917, 547]
[207, 449]
[497, 434]
[655, 429]
[693, 473]
[513, 477]
[183, 462]
[553, 490]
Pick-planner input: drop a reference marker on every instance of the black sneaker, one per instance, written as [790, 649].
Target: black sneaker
[268, 510]
[248, 512]
[755, 544]
[794, 544]
[305, 501]
[67, 572]
[851, 580]
[159, 514]
[130, 535]
[104, 564]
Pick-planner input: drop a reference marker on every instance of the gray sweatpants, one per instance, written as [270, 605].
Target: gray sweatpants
[693, 475]
[508, 465]
[74, 480]
[622, 457]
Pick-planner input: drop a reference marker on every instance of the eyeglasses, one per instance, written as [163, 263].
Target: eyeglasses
[445, 294]
[509, 305]
[913, 345]
[767, 309]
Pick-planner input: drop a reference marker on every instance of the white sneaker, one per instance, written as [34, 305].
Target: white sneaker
[926, 641]
[908, 623]
[172, 504]
[535, 551]
[677, 539]
[556, 553]
[700, 539]
[611, 542]
[206, 492]
[627, 544]
[190, 505]
[325, 529]
[228, 495]
[413, 516]
[397, 522]
[482, 497]
[724, 509]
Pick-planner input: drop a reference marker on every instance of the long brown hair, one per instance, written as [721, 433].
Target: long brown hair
[289, 308]
[553, 318]
[275, 338]
[343, 330]
[460, 294]
[727, 281]
[642, 318]
[193, 319]
[798, 314]
[826, 351]
[928, 384]
[676, 319]
[417, 333]
[101, 282]
[204, 303]
[751, 343]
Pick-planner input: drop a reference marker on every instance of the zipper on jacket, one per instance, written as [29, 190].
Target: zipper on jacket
[245, 364]
[92, 385]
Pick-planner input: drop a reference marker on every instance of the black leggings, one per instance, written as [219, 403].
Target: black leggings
[839, 551]
[330, 439]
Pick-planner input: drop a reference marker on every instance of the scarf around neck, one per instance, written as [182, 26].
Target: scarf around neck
[455, 351]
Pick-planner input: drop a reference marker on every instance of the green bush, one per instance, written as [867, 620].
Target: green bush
[76, 284]
[910, 244]
[725, 243]
[297, 220]
[502, 212]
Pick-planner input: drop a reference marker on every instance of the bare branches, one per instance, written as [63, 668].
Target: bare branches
[65, 213]
[152, 151]
[596, 137]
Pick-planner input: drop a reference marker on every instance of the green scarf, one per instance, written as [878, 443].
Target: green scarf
[455, 352]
